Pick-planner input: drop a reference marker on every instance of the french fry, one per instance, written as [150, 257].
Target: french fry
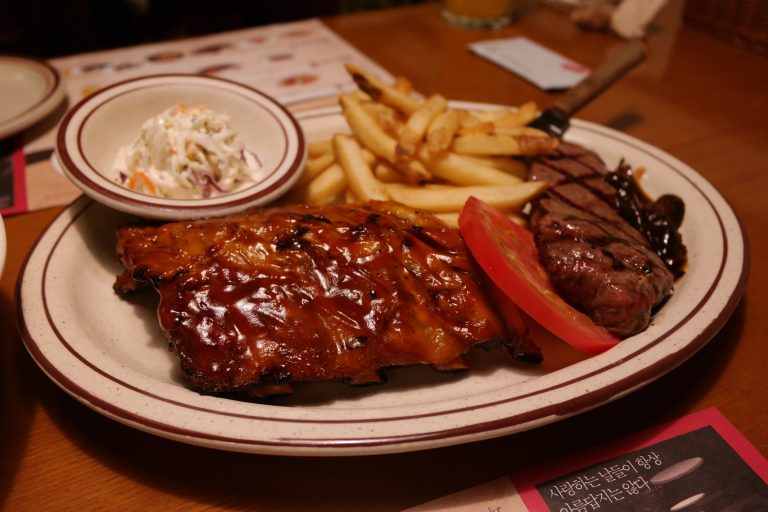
[483, 127]
[359, 95]
[496, 144]
[369, 157]
[463, 170]
[507, 164]
[349, 196]
[470, 119]
[490, 116]
[365, 128]
[374, 138]
[385, 173]
[314, 167]
[418, 122]
[520, 116]
[382, 92]
[319, 148]
[360, 178]
[442, 130]
[385, 116]
[326, 187]
[442, 199]
[414, 171]
[423, 153]
[409, 172]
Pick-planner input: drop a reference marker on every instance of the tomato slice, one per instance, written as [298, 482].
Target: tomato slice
[506, 252]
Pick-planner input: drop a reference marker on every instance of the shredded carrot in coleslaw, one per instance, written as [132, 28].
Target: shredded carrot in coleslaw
[147, 183]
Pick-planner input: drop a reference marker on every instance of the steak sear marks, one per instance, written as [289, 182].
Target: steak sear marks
[598, 262]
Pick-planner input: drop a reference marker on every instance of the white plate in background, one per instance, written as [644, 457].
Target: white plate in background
[30, 89]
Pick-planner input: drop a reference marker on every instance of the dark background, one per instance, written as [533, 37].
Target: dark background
[51, 28]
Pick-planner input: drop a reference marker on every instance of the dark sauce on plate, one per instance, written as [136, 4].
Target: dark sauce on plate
[658, 220]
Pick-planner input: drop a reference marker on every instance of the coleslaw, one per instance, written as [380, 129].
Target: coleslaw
[187, 152]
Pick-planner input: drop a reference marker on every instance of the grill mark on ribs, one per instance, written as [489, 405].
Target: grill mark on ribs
[254, 301]
[597, 261]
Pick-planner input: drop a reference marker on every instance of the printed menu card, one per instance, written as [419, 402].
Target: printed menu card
[697, 463]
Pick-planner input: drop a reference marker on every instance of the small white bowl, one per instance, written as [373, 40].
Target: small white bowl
[91, 133]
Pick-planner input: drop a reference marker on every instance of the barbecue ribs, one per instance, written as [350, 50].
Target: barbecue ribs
[254, 301]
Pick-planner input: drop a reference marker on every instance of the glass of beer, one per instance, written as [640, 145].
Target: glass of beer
[479, 14]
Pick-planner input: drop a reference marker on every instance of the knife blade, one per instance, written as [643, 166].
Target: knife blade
[555, 120]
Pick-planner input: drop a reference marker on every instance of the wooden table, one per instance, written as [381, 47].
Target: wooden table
[696, 97]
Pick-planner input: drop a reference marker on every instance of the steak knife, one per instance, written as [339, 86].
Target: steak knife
[555, 120]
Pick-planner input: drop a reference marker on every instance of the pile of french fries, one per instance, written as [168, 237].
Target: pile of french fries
[422, 153]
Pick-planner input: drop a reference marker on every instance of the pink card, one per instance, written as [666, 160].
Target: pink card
[697, 463]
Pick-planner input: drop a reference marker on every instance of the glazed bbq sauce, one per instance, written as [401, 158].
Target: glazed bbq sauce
[658, 221]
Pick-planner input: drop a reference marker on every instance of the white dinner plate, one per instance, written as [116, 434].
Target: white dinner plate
[109, 352]
[29, 90]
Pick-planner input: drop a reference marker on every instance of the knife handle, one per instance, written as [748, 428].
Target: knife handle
[612, 68]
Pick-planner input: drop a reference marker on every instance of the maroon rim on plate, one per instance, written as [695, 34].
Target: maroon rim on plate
[439, 437]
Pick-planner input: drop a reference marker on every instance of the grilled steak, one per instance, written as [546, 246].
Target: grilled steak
[598, 262]
[251, 302]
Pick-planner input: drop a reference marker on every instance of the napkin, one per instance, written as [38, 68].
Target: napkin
[539, 65]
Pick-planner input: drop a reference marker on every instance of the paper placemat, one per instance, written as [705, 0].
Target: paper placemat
[300, 64]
